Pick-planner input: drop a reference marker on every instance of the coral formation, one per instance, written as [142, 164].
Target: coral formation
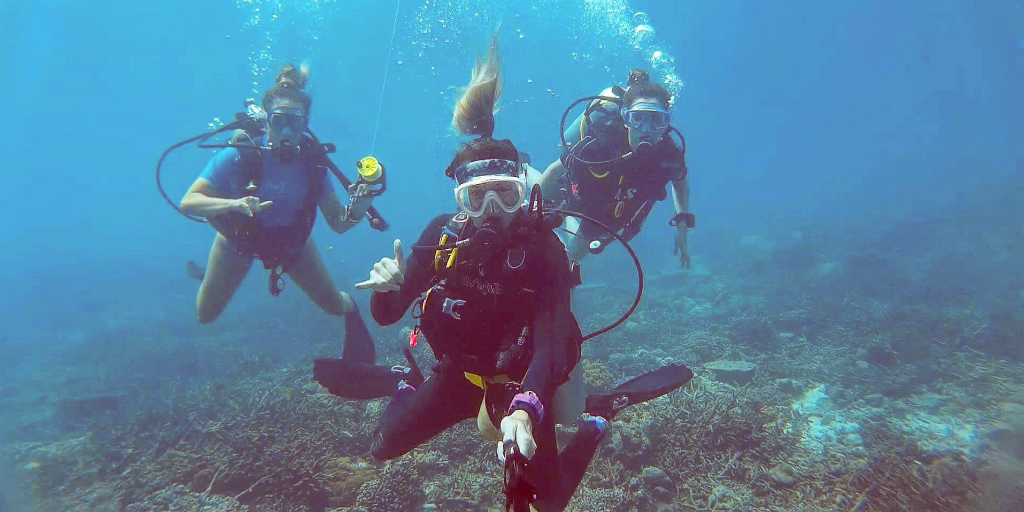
[871, 382]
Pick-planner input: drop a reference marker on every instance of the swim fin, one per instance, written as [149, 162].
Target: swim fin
[362, 381]
[648, 386]
[358, 340]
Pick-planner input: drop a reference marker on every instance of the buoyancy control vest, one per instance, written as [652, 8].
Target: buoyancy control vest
[480, 307]
[276, 247]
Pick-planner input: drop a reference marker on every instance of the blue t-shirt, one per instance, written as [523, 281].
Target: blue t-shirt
[286, 184]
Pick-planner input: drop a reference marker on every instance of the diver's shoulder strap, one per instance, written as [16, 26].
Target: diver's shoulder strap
[250, 156]
[453, 231]
[458, 223]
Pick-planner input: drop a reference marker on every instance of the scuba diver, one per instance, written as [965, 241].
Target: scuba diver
[490, 289]
[261, 193]
[618, 156]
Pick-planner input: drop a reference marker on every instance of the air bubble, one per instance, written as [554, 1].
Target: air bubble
[643, 32]
[660, 58]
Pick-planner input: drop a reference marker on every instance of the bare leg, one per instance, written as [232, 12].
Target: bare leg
[577, 247]
[225, 272]
[311, 275]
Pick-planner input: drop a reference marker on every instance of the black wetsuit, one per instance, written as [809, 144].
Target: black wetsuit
[516, 322]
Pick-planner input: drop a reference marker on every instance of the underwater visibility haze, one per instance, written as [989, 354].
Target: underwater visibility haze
[852, 310]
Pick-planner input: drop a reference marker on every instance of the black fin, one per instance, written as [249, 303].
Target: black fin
[195, 271]
[358, 340]
[358, 381]
[648, 386]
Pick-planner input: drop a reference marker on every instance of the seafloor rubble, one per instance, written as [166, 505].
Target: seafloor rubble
[833, 373]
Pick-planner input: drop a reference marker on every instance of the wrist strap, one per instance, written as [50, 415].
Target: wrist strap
[530, 403]
[348, 215]
[687, 219]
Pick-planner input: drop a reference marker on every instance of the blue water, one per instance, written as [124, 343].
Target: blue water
[836, 112]
[841, 116]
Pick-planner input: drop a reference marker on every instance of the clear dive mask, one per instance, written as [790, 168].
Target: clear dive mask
[489, 187]
[647, 117]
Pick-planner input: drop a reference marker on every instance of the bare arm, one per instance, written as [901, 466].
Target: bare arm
[343, 218]
[201, 201]
[549, 179]
[681, 198]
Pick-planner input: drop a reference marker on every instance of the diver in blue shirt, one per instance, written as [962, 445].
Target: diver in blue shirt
[262, 196]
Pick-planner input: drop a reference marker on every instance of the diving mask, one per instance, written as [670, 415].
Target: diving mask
[646, 117]
[286, 126]
[281, 119]
[490, 187]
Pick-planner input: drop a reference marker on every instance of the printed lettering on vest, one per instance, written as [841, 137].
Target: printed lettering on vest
[483, 286]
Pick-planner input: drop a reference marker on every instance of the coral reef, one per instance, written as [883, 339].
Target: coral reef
[398, 488]
[596, 376]
[881, 371]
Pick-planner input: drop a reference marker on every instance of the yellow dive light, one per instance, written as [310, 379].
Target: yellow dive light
[370, 170]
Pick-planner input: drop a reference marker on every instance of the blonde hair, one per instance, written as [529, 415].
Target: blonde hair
[474, 112]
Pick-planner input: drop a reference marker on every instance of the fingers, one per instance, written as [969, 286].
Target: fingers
[524, 438]
[385, 280]
[358, 190]
[387, 274]
[399, 256]
[381, 269]
[256, 206]
[392, 267]
[501, 452]
[377, 284]
[508, 432]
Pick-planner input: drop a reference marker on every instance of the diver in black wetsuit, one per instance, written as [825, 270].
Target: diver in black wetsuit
[495, 313]
[490, 288]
